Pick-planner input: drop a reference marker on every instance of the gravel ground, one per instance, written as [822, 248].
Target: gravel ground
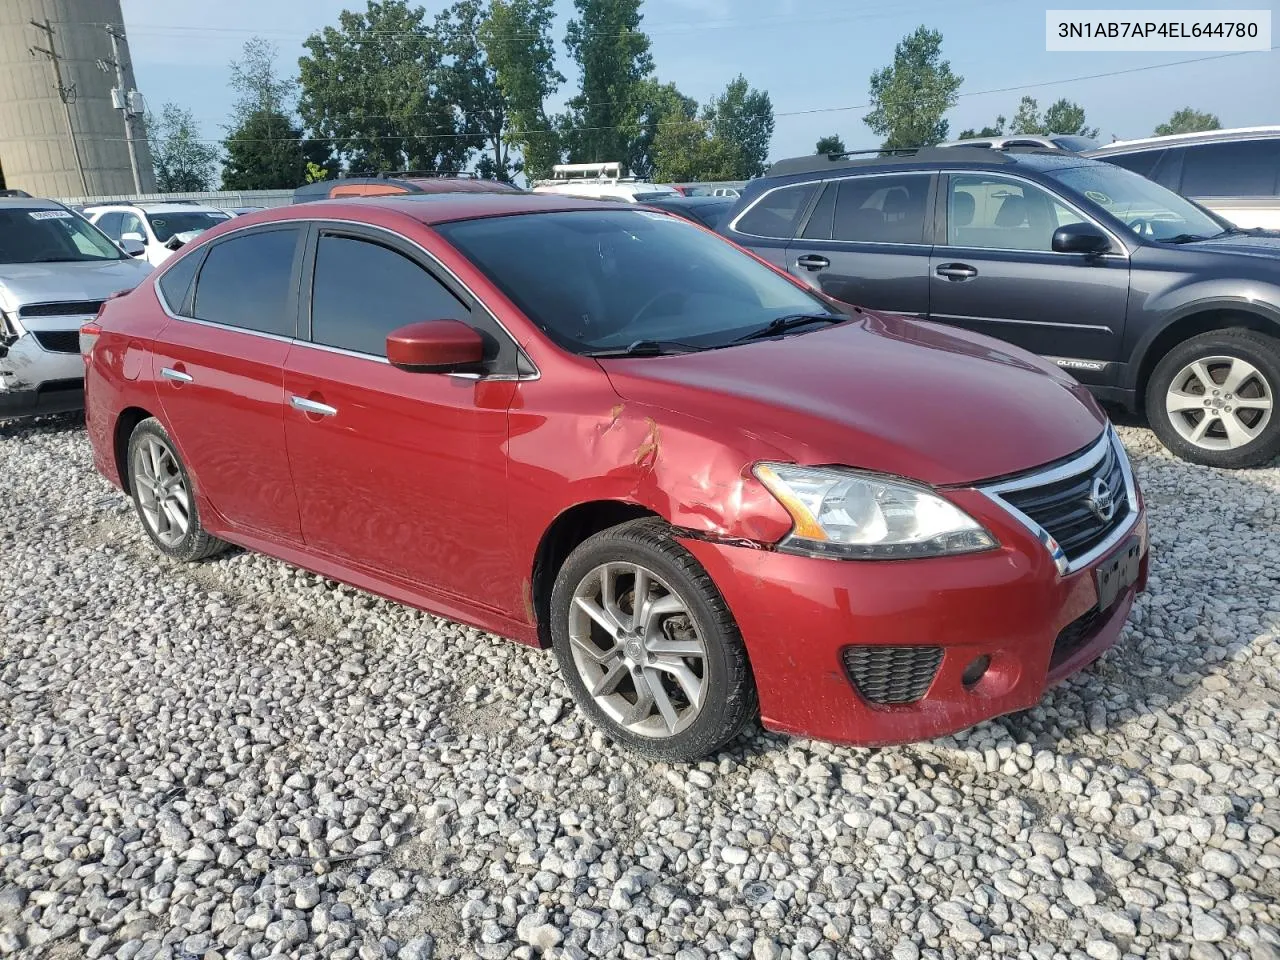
[237, 759]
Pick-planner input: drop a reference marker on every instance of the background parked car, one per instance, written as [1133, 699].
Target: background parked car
[1052, 141]
[1235, 173]
[161, 227]
[707, 211]
[1142, 295]
[392, 184]
[56, 269]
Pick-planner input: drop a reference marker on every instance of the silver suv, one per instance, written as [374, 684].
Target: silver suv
[1234, 173]
[55, 270]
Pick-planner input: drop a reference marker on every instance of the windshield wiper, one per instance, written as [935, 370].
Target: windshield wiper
[1185, 238]
[648, 348]
[790, 322]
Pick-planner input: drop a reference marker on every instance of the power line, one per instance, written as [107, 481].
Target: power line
[452, 134]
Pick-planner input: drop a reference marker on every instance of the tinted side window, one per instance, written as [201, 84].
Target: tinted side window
[246, 281]
[882, 209]
[777, 214]
[1245, 168]
[175, 283]
[362, 291]
[1142, 163]
[109, 223]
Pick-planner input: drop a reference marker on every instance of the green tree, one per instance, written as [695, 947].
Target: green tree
[996, 131]
[829, 144]
[612, 55]
[516, 37]
[910, 97]
[1188, 120]
[1063, 116]
[684, 151]
[470, 81]
[265, 148]
[183, 162]
[743, 117]
[371, 86]
[656, 104]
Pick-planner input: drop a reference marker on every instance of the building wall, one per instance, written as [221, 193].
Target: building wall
[36, 147]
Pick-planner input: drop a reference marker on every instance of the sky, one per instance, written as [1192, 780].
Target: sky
[814, 57]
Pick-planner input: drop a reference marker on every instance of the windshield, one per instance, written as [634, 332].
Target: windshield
[1146, 208]
[165, 225]
[1076, 144]
[51, 236]
[605, 279]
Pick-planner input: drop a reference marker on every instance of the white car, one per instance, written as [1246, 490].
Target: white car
[1235, 173]
[161, 228]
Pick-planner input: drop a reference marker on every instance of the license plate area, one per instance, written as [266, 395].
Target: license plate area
[1119, 573]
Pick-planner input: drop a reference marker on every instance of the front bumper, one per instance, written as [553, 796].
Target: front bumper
[799, 615]
[36, 381]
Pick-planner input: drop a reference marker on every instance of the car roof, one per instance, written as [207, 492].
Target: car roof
[930, 158]
[433, 208]
[29, 203]
[155, 206]
[1204, 136]
[676, 200]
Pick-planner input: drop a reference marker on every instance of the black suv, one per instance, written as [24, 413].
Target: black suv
[1148, 299]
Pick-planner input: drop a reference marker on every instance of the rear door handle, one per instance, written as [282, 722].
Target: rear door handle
[956, 271]
[813, 262]
[177, 376]
[312, 406]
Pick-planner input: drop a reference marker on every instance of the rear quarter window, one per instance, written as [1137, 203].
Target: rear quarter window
[175, 282]
[777, 214]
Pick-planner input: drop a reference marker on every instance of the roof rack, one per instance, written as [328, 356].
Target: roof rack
[406, 175]
[904, 155]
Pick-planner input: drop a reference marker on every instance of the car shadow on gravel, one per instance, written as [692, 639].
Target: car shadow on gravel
[54, 423]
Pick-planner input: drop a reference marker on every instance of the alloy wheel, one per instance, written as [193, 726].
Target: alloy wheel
[638, 650]
[1219, 403]
[162, 492]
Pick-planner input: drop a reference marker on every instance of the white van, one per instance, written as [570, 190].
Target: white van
[601, 181]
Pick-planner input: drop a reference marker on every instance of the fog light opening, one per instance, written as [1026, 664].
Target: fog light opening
[975, 671]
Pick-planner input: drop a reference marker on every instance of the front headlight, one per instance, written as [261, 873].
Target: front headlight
[845, 513]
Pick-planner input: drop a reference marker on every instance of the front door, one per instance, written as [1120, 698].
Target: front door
[219, 371]
[401, 473]
[865, 242]
[997, 273]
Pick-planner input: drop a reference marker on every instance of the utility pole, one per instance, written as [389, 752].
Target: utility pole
[66, 94]
[123, 99]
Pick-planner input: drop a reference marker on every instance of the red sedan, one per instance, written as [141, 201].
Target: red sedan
[604, 430]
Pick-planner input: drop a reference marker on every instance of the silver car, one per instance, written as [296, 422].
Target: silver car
[56, 268]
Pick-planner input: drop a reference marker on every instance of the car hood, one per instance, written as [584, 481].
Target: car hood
[882, 393]
[1266, 246]
[26, 283]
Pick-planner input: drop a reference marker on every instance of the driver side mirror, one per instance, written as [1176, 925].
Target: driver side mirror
[435, 346]
[132, 246]
[1080, 238]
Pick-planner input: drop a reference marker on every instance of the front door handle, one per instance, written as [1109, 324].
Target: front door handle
[956, 271]
[178, 376]
[312, 406]
[813, 262]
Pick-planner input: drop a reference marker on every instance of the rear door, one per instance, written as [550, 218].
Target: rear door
[219, 367]
[401, 473]
[994, 271]
[866, 242]
[767, 226]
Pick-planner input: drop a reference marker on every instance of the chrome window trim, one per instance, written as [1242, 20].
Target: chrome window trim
[164, 304]
[1085, 462]
[1086, 217]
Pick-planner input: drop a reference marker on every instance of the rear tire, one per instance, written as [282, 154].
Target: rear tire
[164, 496]
[672, 683]
[1212, 399]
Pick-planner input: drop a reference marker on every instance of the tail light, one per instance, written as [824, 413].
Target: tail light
[89, 333]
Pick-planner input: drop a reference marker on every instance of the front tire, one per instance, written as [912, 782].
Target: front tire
[647, 645]
[164, 496]
[1211, 399]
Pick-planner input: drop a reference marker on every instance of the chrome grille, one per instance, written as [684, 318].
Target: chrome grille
[1076, 508]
